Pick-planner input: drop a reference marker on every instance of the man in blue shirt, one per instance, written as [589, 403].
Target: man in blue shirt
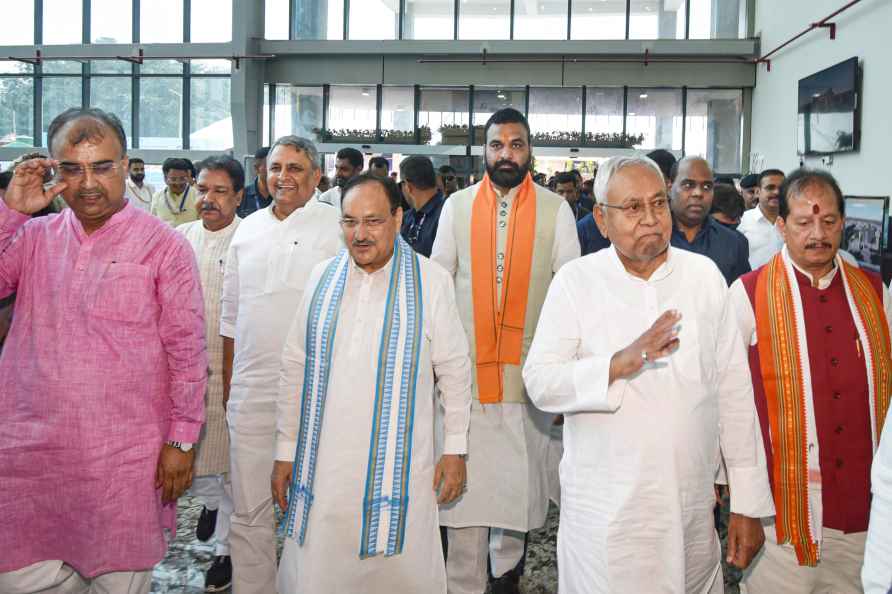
[257, 195]
[691, 195]
[419, 185]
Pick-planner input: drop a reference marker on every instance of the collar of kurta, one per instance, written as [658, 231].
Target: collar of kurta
[665, 269]
[122, 216]
[221, 232]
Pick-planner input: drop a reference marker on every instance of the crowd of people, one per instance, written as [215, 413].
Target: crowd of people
[377, 365]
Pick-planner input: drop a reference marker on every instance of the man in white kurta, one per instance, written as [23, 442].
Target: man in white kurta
[507, 482]
[270, 259]
[877, 573]
[330, 557]
[220, 186]
[637, 347]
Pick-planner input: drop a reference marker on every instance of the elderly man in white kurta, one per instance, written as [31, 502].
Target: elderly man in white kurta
[270, 259]
[650, 385]
[502, 240]
[378, 329]
[221, 182]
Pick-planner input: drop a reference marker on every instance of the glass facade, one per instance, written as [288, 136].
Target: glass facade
[374, 19]
[542, 19]
[62, 22]
[161, 113]
[556, 116]
[598, 19]
[352, 113]
[713, 127]
[604, 113]
[657, 19]
[16, 111]
[398, 115]
[298, 111]
[655, 115]
[445, 112]
[484, 19]
[429, 19]
[210, 123]
[111, 21]
[114, 94]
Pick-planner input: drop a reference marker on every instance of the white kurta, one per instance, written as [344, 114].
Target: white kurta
[877, 573]
[140, 197]
[266, 272]
[640, 455]
[764, 238]
[211, 249]
[507, 481]
[329, 559]
[332, 196]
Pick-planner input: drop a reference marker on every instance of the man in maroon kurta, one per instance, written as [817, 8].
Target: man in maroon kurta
[806, 300]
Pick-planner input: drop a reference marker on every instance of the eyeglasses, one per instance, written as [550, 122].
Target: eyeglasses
[634, 209]
[177, 180]
[688, 185]
[75, 170]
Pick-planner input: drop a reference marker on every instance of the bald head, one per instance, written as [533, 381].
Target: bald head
[691, 192]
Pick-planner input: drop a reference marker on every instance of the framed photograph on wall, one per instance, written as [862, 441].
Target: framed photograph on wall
[866, 232]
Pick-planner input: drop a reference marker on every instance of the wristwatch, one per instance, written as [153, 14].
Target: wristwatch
[180, 445]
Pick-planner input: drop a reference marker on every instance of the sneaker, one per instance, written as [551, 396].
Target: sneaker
[207, 522]
[219, 576]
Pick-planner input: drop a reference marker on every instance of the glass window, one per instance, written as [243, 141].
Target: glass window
[18, 23]
[161, 67]
[62, 22]
[161, 21]
[276, 19]
[555, 116]
[111, 67]
[484, 19]
[374, 19]
[398, 115]
[541, 19]
[713, 126]
[16, 111]
[13, 67]
[111, 21]
[429, 19]
[298, 111]
[319, 19]
[445, 113]
[488, 100]
[113, 94]
[603, 115]
[598, 19]
[655, 114]
[62, 67]
[161, 113]
[211, 21]
[210, 123]
[211, 66]
[656, 19]
[59, 94]
[352, 113]
[718, 20]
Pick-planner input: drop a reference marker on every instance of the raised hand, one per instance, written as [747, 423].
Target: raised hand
[26, 193]
[660, 340]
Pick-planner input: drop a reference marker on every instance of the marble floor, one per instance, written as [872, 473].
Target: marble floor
[182, 570]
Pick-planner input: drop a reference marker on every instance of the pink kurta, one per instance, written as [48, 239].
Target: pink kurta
[105, 361]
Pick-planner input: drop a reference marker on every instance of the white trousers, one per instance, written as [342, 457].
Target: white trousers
[776, 569]
[215, 493]
[252, 539]
[55, 577]
[468, 550]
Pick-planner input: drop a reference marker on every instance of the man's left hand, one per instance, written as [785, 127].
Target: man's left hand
[451, 473]
[174, 474]
[745, 537]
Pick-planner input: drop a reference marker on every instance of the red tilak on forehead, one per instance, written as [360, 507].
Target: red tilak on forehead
[815, 209]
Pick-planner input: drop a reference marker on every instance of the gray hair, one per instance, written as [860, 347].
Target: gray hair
[301, 144]
[613, 165]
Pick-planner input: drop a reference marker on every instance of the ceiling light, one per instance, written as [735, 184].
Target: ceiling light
[815, 94]
[365, 92]
[631, 113]
[642, 96]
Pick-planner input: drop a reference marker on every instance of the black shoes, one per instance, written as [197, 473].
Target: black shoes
[219, 576]
[506, 584]
[207, 522]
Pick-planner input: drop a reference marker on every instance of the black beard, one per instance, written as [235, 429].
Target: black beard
[138, 177]
[504, 179]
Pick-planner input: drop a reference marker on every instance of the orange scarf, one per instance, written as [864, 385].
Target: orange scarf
[788, 395]
[498, 327]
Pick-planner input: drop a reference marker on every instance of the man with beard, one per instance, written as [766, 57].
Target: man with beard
[817, 329]
[502, 240]
[348, 164]
[175, 204]
[271, 256]
[103, 374]
[221, 182]
[257, 195]
[758, 224]
[649, 401]
[137, 192]
[691, 195]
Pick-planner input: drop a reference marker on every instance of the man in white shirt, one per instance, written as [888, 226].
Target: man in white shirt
[876, 577]
[175, 204]
[348, 164]
[650, 388]
[271, 256]
[135, 189]
[362, 508]
[757, 224]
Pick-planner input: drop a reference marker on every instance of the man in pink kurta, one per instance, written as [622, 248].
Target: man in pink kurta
[104, 363]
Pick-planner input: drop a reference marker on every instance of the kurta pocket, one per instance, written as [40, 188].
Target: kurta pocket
[123, 293]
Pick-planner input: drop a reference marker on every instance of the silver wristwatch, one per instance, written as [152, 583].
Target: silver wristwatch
[180, 445]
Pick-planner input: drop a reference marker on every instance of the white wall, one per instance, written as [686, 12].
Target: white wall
[863, 31]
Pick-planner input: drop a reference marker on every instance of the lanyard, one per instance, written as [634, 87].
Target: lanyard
[182, 209]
